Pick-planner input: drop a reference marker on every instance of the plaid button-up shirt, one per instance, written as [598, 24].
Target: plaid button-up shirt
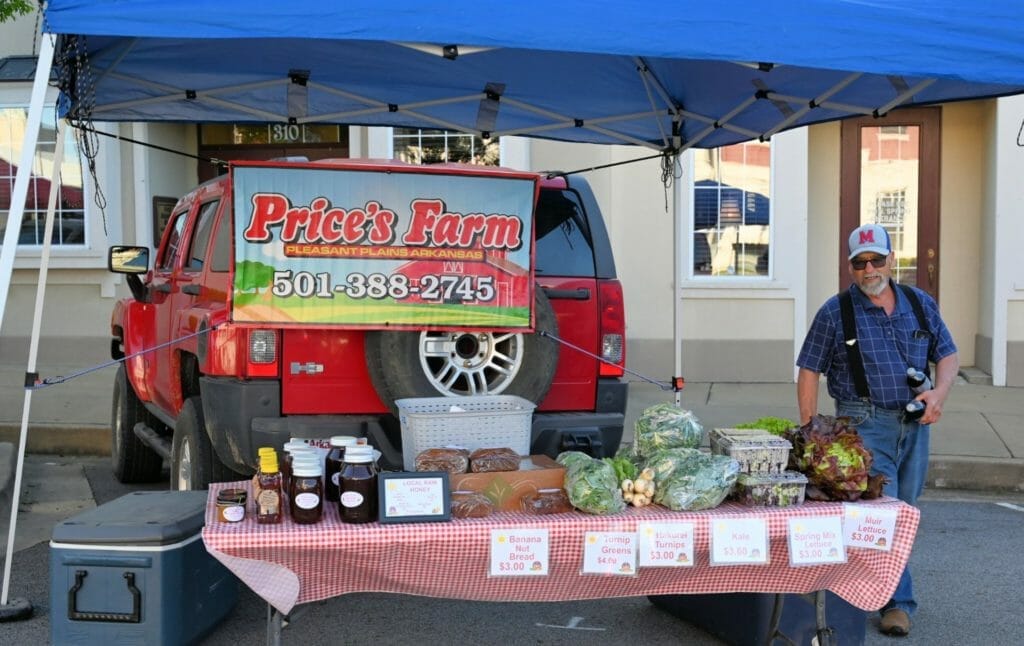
[888, 346]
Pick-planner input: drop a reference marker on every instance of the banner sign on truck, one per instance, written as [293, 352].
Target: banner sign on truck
[369, 248]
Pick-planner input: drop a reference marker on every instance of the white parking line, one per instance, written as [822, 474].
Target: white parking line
[1010, 505]
[574, 624]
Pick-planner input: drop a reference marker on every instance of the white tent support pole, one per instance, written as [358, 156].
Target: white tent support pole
[810, 105]
[679, 230]
[723, 123]
[569, 123]
[33, 348]
[586, 123]
[720, 123]
[648, 80]
[903, 96]
[28, 148]
[846, 107]
[113, 66]
[649, 77]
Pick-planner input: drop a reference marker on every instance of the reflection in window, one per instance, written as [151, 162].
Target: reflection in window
[240, 134]
[170, 250]
[563, 242]
[201, 236]
[732, 210]
[417, 146]
[69, 216]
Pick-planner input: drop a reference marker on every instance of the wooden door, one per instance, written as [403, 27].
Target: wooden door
[890, 176]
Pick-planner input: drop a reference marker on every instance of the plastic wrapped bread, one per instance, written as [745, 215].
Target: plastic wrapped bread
[451, 459]
[489, 460]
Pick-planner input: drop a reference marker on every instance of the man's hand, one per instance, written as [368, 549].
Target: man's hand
[945, 374]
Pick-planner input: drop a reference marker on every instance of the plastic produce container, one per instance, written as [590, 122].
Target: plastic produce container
[757, 451]
[478, 422]
[772, 490]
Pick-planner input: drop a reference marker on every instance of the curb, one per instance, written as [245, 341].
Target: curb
[979, 474]
[70, 439]
[944, 472]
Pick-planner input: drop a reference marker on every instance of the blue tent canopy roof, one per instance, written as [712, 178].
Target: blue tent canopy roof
[601, 72]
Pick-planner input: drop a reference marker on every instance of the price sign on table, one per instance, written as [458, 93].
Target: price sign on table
[869, 527]
[609, 553]
[519, 552]
[737, 541]
[817, 540]
[665, 544]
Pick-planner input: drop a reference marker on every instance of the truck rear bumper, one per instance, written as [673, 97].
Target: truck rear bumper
[242, 416]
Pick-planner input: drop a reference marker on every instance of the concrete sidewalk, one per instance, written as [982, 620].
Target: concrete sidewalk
[979, 444]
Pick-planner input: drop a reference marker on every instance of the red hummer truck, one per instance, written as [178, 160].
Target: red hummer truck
[301, 299]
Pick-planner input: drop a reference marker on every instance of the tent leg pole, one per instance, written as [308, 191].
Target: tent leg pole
[679, 230]
[37, 319]
[28, 149]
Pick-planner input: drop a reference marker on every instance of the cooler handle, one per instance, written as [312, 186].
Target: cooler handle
[132, 617]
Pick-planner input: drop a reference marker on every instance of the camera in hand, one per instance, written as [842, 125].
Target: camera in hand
[918, 381]
[913, 411]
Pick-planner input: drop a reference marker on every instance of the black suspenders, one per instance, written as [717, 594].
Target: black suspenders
[853, 357]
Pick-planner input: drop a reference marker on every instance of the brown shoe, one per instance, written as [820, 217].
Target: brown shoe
[895, 622]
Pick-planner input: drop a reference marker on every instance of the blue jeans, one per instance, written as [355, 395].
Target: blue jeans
[900, 453]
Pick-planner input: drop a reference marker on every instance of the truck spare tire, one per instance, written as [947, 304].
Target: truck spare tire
[439, 363]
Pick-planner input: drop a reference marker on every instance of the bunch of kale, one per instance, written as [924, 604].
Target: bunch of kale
[832, 455]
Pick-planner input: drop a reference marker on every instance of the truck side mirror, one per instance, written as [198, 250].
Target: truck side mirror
[132, 261]
[123, 259]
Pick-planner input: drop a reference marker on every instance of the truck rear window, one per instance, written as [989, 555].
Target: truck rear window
[563, 237]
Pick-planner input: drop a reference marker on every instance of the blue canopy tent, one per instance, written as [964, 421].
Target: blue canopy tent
[665, 76]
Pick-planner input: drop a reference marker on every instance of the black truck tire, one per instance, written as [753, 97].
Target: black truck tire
[194, 465]
[441, 363]
[133, 461]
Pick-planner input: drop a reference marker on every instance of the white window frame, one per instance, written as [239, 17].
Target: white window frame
[93, 253]
[690, 279]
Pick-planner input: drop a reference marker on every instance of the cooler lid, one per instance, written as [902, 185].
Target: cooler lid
[138, 518]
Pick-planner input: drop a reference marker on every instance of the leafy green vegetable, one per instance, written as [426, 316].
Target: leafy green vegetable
[591, 484]
[624, 468]
[666, 426]
[832, 456]
[689, 480]
[774, 425]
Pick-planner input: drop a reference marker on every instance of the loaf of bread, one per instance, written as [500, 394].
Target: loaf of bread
[470, 504]
[452, 460]
[488, 460]
[546, 501]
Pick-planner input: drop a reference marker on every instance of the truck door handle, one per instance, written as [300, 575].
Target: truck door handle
[190, 289]
[578, 294]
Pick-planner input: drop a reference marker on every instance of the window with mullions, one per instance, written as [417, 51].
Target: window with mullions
[732, 210]
[418, 146]
[69, 215]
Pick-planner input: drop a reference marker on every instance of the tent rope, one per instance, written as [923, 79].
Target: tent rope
[32, 382]
[664, 385]
[77, 83]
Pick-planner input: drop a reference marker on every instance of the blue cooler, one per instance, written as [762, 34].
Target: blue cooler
[744, 618]
[135, 571]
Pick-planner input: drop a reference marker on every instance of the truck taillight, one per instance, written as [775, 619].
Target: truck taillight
[613, 328]
[262, 356]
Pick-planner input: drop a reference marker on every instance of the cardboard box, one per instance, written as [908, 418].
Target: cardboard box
[506, 488]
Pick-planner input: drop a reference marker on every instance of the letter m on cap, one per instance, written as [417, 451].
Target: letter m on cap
[867, 236]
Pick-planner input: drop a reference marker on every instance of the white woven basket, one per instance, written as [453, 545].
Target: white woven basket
[478, 422]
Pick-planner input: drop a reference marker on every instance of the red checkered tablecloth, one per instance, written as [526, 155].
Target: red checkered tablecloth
[289, 564]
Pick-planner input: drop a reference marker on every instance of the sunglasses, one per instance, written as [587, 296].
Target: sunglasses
[877, 262]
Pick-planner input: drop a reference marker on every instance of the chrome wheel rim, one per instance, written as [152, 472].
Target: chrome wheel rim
[470, 363]
[185, 466]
